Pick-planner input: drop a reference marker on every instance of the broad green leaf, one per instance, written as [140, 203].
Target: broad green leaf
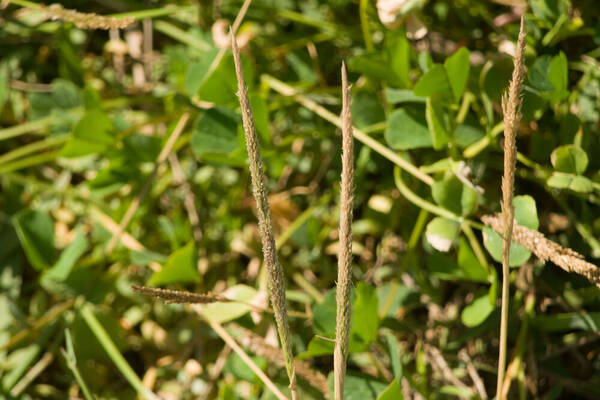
[69, 256]
[458, 67]
[324, 314]
[374, 66]
[576, 183]
[220, 86]
[318, 347]
[223, 312]
[397, 96]
[398, 52]
[470, 264]
[359, 386]
[215, 132]
[441, 233]
[35, 230]
[437, 121]
[526, 215]
[366, 109]
[570, 159]
[454, 195]
[260, 111]
[365, 321]
[477, 312]
[93, 134]
[392, 392]
[240, 369]
[180, 268]
[435, 81]
[394, 353]
[404, 132]
[558, 76]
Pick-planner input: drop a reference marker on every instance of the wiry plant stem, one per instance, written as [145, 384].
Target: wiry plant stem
[275, 277]
[511, 108]
[344, 281]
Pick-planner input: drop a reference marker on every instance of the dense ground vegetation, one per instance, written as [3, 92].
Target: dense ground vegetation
[122, 162]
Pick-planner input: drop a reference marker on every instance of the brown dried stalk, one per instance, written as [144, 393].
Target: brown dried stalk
[275, 276]
[511, 108]
[258, 346]
[344, 281]
[86, 20]
[180, 296]
[545, 249]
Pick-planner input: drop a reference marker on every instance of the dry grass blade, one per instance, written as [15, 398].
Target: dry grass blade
[180, 296]
[545, 249]
[251, 364]
[86, 20]
[257, 345]
[344, 281]
[275, 276]
[511, 108]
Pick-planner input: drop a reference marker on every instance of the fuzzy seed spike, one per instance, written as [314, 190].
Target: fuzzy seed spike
[511, 108]
[344, 280]
[275, 276]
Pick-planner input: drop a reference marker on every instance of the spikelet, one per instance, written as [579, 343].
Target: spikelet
[86, 20]
[180, 296]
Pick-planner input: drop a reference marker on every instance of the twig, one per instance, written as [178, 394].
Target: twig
[438, 359]
[511, 108]
[344, 281]
[275, 276]
[477, 381]
[240, 352]
[140, 197]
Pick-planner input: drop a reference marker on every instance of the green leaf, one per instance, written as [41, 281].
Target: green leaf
[441, 233]
[435, 81]
[359, 386]
[220, 86]
[392, 392]
[70, 255]
[374, 66]
[454, 195]
[457, 68]
[470, 264]
[477, 312]
[397, 96]
[93, 134]
[526, 215]
[215, 132]
[404, 132]
[570, 159]
[589, 322]
[181, 267]
[576, 183]
[365, 321]
[366, 109]
[398, 52]
[558, 76]
[223, 312]
[35, 230]
[324, 314]
[437, 121]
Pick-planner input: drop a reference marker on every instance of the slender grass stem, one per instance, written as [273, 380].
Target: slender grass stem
[87, 313]
[29, 161]
[511, 107]
[33, 147]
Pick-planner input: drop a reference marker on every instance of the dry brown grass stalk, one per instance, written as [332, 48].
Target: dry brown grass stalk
[511, 108]
[545, 249]
[257, 345]
[180, 296]
[344, 281]
[86, 20]
[275, 276]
